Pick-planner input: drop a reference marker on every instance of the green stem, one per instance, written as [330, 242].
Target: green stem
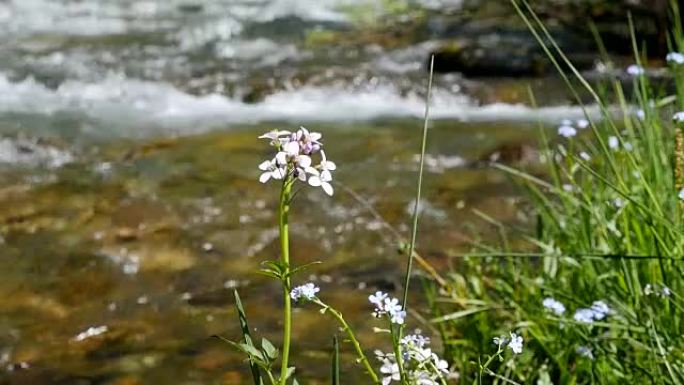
[283, 212]
[396, 345]
[355, 342]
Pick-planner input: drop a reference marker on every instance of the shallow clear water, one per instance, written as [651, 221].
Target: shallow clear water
[129, 202]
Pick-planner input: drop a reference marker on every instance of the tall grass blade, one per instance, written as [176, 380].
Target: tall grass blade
[254, 368]
[414, 228]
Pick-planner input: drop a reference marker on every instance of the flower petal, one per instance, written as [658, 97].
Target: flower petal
[315, 181]
[304, 161]
[327, 187]
[265, 177]
[291, 148]
[265, 165]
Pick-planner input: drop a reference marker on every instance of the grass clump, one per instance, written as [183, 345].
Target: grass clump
[595, 285]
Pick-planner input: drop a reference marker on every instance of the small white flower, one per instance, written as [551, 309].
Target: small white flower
[585, 351]
[601, 310]
[582, 124]
[678, 117]
[640, 114]
[326, 164]
[584, 316]
[276, 137]
[415, 340]
[498, 341]
[628, 146]
[613, 142]
[681, 194]
[516, 343]
[307, 292]
[390, 370]
[585, 156]
[618, 202]
[553, 305]
[666, 292]
[567, 131]
[387, 306]
[635, 70]
[398, 317]
[271, 169]
[675, 58]
[322, 180]
[377, 298]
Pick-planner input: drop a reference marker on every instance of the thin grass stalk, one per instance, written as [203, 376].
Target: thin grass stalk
[414, 228]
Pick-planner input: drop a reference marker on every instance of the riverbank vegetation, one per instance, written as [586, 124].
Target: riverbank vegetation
[593, 283]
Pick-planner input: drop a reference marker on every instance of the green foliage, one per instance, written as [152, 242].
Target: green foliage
[608, 226]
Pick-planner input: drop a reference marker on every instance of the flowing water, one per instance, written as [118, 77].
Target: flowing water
[129, 202]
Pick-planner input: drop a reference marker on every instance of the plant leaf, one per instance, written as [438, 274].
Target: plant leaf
[268, 348]
[254, 368]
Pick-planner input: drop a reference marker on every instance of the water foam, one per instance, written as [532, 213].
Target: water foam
[118, 101]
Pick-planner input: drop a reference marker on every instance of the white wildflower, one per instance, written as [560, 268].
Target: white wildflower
[567, 131]
[307, 292]
[277, 137]
[582, 124]
[678, 117]
[600, 309]
[387, 306]
[628, 146]
[322, 180]
[271, 169]
[613, 142]
[675, 58]
[293, 159]
[553, 305]
[585, 156]
[516, 343]
[584, 316]
[681, 194]
[618, 203]
[377, 298]
[585, 351]
[640, 114]
[421, 365]
[657, 290]
[635, 70]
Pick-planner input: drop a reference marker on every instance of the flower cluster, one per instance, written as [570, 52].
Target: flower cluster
[307, 292]
[554, 306]
[568, 128]
[515, 342]
[598, 311]
[675, 58]
[678, 117]
[421, 365]
[384, 305]
[585, 351]
[293, 159]
[635, 70]
[657, 290]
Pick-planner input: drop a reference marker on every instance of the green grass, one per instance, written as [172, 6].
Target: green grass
[600, 229]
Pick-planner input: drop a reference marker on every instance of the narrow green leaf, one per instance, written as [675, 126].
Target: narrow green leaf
[254, 368]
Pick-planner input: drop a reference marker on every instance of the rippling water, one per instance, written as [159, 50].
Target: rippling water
[122, 233]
